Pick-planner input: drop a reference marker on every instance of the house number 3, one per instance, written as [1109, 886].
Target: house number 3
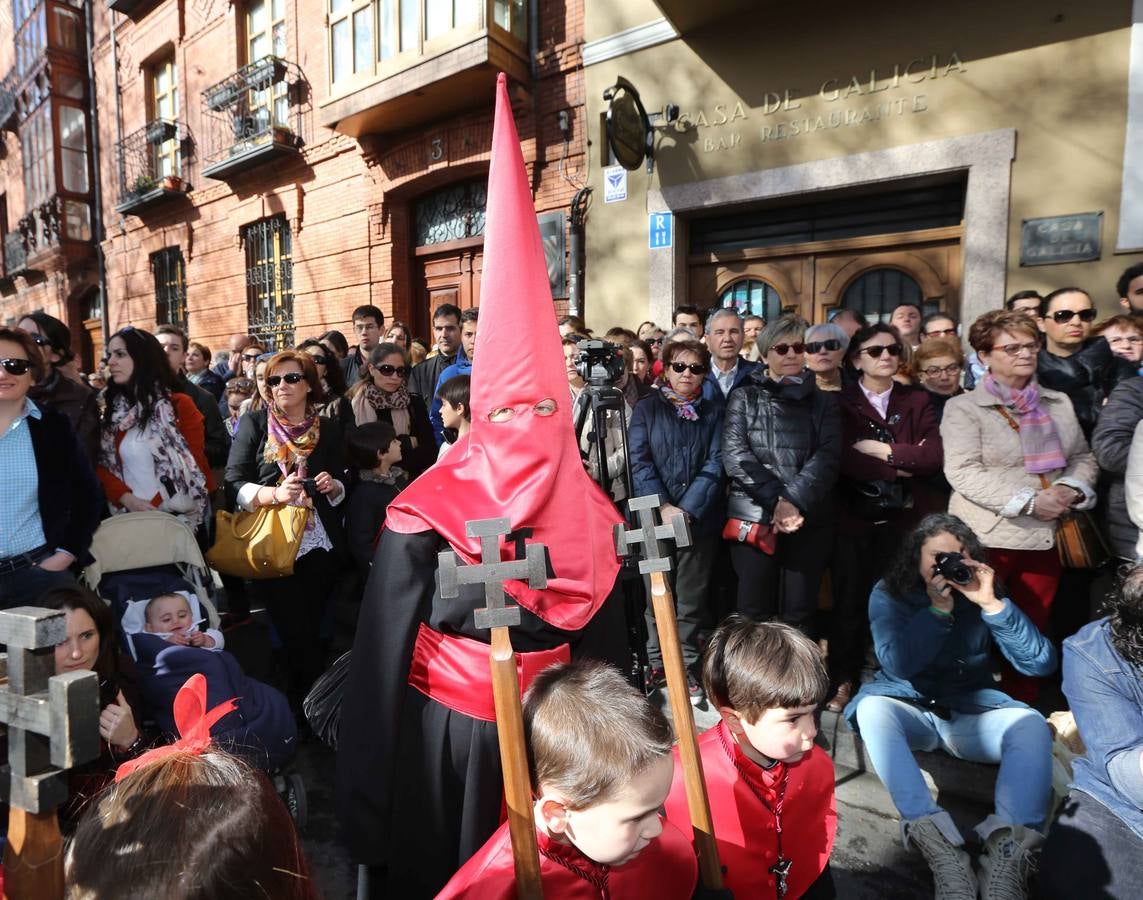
[436, 149]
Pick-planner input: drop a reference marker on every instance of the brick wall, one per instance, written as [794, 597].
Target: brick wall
[348, 202]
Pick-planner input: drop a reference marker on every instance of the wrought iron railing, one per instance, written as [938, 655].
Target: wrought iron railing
[152, 162]
[264, 106]
[8, 102]
[40, 228]
[15, 254]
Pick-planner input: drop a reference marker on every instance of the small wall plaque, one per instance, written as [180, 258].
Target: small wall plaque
[1061, 239]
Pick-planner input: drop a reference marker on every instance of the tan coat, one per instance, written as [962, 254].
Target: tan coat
[984, 463]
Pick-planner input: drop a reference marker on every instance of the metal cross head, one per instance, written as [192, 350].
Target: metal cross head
[53, 720]
[649, 534]
[492, 572]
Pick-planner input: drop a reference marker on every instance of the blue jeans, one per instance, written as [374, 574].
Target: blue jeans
[1016, 737]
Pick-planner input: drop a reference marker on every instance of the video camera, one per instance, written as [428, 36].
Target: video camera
[599, 363]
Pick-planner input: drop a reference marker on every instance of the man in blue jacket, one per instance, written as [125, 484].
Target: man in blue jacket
[462, 366]
[724, 337]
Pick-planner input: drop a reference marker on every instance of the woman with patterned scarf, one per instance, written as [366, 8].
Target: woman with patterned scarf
[676, 452]
[151, 452]
[287, 453]
[381, 394]
[1017, 461]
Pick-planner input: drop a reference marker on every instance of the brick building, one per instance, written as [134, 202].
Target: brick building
[269, 165]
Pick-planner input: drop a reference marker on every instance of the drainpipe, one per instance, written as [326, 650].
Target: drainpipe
[533, 35]
[578, 217]
[98, 230]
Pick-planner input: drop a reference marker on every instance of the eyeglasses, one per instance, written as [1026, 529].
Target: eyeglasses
[389, 371]
[1014, 350]
[876, 350]
[941, 332]
[819, 346]
[319, 360]
[16, 366]
[783, 349]
[1061, 316]
[40, 340]
[289, 378]
[251, 357]
[934, 371]
[695, 368]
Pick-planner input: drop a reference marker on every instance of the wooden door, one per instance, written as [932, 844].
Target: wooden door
[446, 273]
[814, 279]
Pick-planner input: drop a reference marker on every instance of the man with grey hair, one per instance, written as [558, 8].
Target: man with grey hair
[724, 337]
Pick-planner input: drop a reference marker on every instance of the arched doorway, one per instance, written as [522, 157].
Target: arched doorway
[876, 292]
[448, 254]
[752, 297]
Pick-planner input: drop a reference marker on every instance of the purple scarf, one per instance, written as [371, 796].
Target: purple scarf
[1038, 436]
[684, 407]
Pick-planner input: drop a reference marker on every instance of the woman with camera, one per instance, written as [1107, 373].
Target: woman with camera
[937, 616]
[890, 443]
[286, 453]
[676, 452]
[781, 446]
[1018, 462]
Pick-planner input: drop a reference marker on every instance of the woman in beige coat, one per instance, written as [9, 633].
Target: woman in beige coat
[1017, 462]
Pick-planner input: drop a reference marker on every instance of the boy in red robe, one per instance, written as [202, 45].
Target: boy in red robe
[770, 787]
[602, 767]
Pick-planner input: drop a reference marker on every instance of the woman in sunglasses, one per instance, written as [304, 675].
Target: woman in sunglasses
[287, 453]
[51, 501]
[825, 350]
[1017, 461]
[334, 405]
[381, 394]
[676, 452]
[781, 447]
[151, 453]
[75, 400]
[890, 444]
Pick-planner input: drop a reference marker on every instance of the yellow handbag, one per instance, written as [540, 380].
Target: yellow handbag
[260, 544]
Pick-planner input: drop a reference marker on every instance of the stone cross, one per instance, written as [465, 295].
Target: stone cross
[53, 720]
[492, 572]
[649, 534]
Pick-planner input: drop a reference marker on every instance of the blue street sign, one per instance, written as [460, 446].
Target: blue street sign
[660, 230]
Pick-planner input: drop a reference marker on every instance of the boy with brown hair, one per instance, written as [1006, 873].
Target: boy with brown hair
[771, 789]
[601, 764]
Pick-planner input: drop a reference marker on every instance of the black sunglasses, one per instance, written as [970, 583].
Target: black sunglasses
[289, 378]
[16, 366]
[655, 342]
[696, 368]
[783, 349]
[876, 351]
[40, 340]
[388, 370]
[252, 357]
[320, 360]
[818, 346]
[1061, 316]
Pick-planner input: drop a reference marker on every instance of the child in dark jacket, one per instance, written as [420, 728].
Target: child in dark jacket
[373, 450]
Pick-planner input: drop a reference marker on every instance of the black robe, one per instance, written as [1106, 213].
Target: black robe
[419, 786]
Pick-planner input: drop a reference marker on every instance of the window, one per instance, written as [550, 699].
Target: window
[270, 282]
[451, 214]
[877, 292]
[164, 109]
[752, 297]
[266, 36]
[365, 33]
[169, 270]
[37, 153]
[73, 148]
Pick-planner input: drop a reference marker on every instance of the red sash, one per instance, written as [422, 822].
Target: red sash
[455, 672]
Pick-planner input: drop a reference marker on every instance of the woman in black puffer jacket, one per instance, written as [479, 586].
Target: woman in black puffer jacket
[782, 451]
[675, 449]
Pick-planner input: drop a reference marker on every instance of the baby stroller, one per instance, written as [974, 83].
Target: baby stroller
[143, 554]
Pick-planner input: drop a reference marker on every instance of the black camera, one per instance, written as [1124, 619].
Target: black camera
[952, 567]
[599, 363]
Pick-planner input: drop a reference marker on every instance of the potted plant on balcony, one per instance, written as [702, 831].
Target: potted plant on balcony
[283, 136]
[160, 131]
[266, 71]
[172, 183]
[143, 184]
[223, 95]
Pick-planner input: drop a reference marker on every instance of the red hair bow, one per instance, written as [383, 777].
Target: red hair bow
[193, 721]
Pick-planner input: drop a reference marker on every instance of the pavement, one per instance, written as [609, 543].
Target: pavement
[869, 862]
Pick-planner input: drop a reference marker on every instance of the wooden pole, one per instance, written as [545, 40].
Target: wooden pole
[663, 604]
[33, 856]
[514, 761]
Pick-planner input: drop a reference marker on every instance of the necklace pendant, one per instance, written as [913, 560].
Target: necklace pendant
[781, 871]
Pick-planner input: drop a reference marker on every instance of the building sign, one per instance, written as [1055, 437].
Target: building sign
[1061, 239]
[660, 230]
[614, 184]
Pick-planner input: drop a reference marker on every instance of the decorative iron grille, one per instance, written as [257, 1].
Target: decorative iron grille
[152, 161]
[452, 213]
[270, 282]
[15, 254]
[261, 107]
[8, 102]
[169, 270]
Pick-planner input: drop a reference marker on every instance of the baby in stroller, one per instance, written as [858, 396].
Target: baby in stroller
[174, 615]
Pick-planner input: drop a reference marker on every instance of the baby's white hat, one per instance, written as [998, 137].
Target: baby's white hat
[135, 616]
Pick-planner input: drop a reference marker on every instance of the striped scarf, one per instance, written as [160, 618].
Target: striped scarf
[1038, 436]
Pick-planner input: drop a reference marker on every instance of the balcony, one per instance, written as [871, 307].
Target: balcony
[256, 115]
[15, 254]
[151, 165]
[129, 7]
[427, 68]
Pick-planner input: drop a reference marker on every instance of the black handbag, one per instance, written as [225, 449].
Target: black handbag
[322, 706]
[877, 500]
